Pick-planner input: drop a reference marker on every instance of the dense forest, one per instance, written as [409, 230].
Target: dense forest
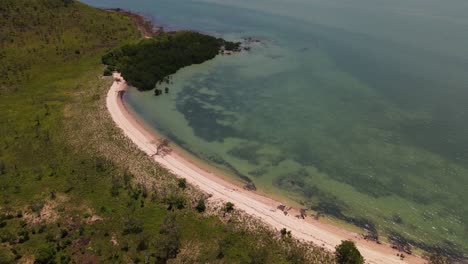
[152, 60]
[73, 188]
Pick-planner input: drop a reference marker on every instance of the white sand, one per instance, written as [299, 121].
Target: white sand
[319, 233]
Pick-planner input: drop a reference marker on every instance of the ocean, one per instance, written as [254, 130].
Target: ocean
[354, 109]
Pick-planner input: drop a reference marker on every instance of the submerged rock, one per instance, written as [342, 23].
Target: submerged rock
[250, 187]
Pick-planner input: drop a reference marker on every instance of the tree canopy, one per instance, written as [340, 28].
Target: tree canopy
[347, 253]
[152, 60]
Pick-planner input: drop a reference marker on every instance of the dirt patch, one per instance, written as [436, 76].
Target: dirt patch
[42, 212]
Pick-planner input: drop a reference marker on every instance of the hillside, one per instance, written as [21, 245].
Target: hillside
[73, 188]
[43, 33]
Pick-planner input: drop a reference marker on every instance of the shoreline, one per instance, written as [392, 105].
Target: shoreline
[143, 23]
[263, 208]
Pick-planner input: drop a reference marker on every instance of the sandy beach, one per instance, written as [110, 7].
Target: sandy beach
[261, 207]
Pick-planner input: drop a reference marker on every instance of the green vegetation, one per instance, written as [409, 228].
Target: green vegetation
[285, 234]
[201, 207]
[229, 207]
[347, 253]
[437, 259]
[151, 61]
[57, 32]
[182, 183]
[73, 188]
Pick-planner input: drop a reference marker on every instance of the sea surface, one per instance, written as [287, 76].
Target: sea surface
[356, 109]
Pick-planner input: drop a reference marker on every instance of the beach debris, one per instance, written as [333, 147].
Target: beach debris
[281, 207]
[120, 93]
[162, 147]
[250, 187]
[371, 236]
[400, 243]
[303, 213]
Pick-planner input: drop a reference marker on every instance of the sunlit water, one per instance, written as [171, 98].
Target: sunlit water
[356, 108]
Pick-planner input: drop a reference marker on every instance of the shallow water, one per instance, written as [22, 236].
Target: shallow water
[355, 108]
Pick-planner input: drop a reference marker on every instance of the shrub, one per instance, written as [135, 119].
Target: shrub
[201, 207]
[182, 183]
[133, 226]
[169, 241]
[107, 72]
[157, 92]
[228, 207]
[6, 256]
[285, 233]
[45, 255]
[142, 245]
[347, 253]
[7, 237]
[180, 202]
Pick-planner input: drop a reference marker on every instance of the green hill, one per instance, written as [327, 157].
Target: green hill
[73, 188]
[40, 34]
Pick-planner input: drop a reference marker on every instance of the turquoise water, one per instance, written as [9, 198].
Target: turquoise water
[357, 109]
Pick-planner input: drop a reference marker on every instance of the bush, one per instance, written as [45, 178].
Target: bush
[169, 241]
[182, 183]
[6, 256]
[23, 235]
[285, 233]
[133, 226]
[228, 207]
[7, 237]
[201, 207]
[177, 201]
[143, 244]
[107, 72]
[45, 255]
[347, 253]
[180, 202]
